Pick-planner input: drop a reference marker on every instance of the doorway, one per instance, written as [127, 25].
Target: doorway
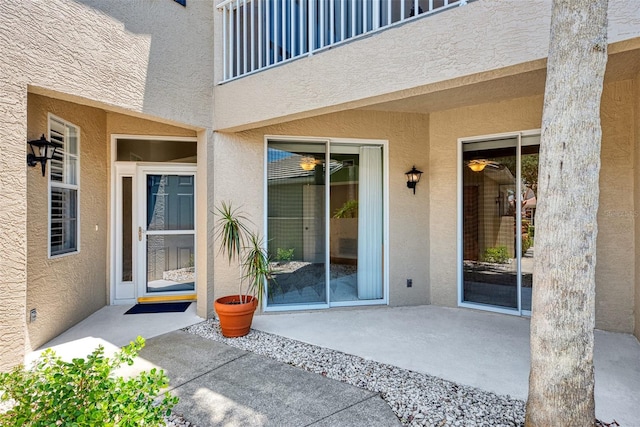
[326, 223]
[498, 177]
[154, 222]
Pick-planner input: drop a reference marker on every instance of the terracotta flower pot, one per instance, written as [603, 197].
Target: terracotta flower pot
[235, 317]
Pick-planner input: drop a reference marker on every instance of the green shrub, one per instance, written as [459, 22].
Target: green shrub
[284, 254]
[85, 392]
[348, 210]
[527, 242]
[497, 255]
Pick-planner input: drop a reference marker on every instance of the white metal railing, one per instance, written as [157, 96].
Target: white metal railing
[258, 34]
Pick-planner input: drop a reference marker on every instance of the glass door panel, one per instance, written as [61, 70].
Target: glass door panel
[529, 168]
[296, 223]
[170, 233]
[489, 200]
[356, 224]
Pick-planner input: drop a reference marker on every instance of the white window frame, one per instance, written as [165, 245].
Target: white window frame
[518, 135]
[328, 141]
[55, 184]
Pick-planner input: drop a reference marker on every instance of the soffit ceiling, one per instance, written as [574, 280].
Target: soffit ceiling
[621, 66]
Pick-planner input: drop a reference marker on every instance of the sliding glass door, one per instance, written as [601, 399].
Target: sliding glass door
[497, 221]
[325, 228]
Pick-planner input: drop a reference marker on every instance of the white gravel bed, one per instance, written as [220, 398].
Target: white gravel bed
[417, 399]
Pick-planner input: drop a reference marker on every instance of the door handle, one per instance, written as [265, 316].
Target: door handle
[140, 234]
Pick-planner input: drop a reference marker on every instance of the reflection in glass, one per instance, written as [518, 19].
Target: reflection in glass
[529, 169]
[127, 224]
[296, 223]
[344, 228]
[491, 238]
[170, 263]
[490, 272]
[170, 202]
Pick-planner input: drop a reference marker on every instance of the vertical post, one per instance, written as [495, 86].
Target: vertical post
[267, 36]
[311, 28]
[343, 20]
[365, 12]
[322, 23]
[283, 28]
[260, 17]
[244, 36]
[237, 35]
[225, 51]
[353, 18]
[332, 19]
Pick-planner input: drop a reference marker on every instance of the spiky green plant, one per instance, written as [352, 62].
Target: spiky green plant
[239, 243]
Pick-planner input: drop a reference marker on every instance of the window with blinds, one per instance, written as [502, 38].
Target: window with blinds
[64, 185]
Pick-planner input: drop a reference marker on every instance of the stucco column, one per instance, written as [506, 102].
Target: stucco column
[204, 208]
[13, 223]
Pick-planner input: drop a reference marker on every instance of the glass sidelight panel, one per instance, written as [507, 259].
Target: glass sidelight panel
[296, 223]
[489, 209]
[127, 229]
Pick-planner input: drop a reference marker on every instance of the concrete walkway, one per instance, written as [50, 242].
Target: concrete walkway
[220, 385]
[477, 348]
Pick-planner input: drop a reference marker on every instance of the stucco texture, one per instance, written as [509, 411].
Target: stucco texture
[636, 212]
[66, 289]
[408, 138]
[479, 42]
[615, 264]
[104, 54]
[13, 223]
[112, 53]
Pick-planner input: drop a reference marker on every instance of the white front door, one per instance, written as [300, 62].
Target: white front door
[155, 232]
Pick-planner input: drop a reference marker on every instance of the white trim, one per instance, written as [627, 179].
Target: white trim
[328, 141]
[459, 223]
[129, 169]
[140, 254]
[75, 187]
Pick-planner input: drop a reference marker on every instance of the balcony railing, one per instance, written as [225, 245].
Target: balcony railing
[259, 34]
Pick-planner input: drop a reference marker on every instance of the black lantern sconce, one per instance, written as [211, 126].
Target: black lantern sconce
[45, 151]
[413, 177]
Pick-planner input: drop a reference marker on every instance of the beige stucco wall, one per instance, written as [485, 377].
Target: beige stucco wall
[123, 124]
[481, 41]
[236, 180]
[615, 267]
[615, 246]
[66, 289]
[636, 128]
[147, 58]
[152, 57]
[13, 226]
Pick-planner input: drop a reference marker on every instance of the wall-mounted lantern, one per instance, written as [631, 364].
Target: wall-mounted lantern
[45, 151]
[413, 177]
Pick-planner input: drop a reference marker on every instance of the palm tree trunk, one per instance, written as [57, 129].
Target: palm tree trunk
[561, 380]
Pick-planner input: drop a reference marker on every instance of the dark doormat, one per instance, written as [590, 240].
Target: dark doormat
[163, 307]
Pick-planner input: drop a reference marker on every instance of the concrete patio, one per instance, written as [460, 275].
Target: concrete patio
[477, 348]
[481, 349]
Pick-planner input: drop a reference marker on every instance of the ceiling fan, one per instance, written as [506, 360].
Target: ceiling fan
[478, 165]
